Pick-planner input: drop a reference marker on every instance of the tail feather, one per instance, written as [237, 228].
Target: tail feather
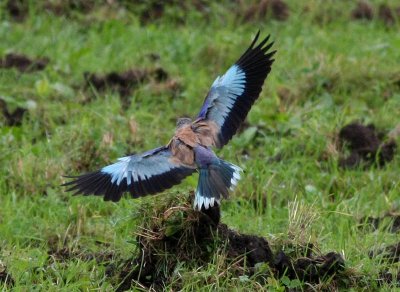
[215, 181]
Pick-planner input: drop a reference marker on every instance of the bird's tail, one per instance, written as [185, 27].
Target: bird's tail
[215, 181]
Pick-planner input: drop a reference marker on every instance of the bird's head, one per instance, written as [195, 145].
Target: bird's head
[182, 121]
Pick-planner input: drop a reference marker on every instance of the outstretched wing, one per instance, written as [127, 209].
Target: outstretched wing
[143, 174]
[232, 95]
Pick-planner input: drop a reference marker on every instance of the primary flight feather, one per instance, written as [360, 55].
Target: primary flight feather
[190, 149]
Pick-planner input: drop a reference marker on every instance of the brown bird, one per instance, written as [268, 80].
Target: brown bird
[224, 109]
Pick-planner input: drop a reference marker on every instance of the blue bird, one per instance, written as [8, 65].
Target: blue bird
[224, 109]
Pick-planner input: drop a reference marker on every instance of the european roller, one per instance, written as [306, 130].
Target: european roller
[191, 148]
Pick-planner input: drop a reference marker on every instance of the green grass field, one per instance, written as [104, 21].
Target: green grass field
[330, 70]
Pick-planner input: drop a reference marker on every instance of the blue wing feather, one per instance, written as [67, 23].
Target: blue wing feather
[232, 94]
[147, 173]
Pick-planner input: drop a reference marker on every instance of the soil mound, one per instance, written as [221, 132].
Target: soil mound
[13, 118]
[127, 81]
[5, 277]
[375, 222]
[363, 10]
[276, 9]
[183, 235]
[23, 63]
[365, 145]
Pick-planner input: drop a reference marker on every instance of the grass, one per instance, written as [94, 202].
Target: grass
[329, 70]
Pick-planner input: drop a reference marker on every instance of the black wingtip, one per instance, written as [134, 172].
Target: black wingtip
[255, 38]
[69, 183]
[253, 42]
[263, 42]
[256, 63]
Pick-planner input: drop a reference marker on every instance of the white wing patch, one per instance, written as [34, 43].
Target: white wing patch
[136, 167]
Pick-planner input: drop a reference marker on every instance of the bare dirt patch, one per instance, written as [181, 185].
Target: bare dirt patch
[5, 277]
[363, 10]
[365, 145]
[276, 9]
[23, 63]
[65, 7]
[13, 118]
[310, 269]
[151, 11]
[390, 253]
[389, 277]
[375, 222]
[17, 9]
[387, 15]
[127, 81]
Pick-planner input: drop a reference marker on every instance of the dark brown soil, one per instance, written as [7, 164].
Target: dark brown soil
[280, 10]
[258, 11]
[365, 145]
[126, 82]
[389, 253]
[363, 10]
[23, 63]
[374, 223]
[386, 14]
[309, 269]
[12, 118]
[123, 82]
[155, 10]
[388, 277]
[151, 11]
[17, 9]
[256, 248]
[65, 7]
[5, 277]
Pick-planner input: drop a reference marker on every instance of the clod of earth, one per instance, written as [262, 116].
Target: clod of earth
[363, 10]
[309, 269]
[122, 82]
[125, 82]
[66, 6]
[365, 145]
[390, 253]
[23, 63]
[180, 234]
[374, 222]
[280, 10]
[5, 277]
[388, 277]
[277, 9]
[386, 14]
[154, 57]
[154, 10]
[12, 118]
[17, 9]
